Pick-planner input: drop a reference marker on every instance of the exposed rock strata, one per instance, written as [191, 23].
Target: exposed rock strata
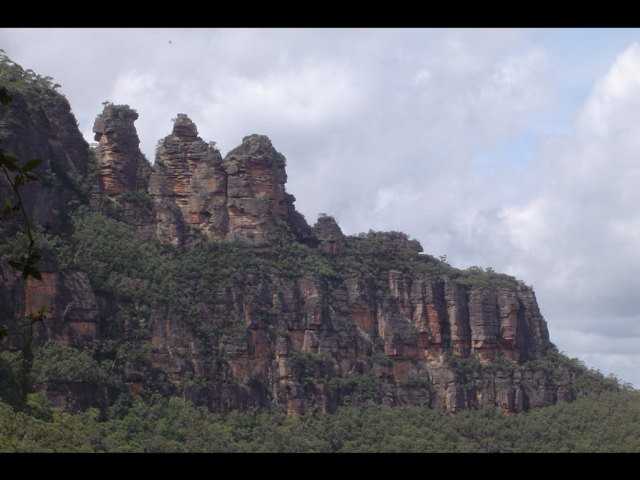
[241, 199]
[255, 191]
[39, 124]
[340, 328]
[188, 186]
[300, 341]
[122, 166]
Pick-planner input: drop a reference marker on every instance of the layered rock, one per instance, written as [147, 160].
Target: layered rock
[443, 317]
[188, 186]
[38, 123]
[329, 235]
[258, 205]
[122, 166]
[241, 199]
[402, 340]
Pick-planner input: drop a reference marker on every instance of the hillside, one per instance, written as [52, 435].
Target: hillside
[196, 278]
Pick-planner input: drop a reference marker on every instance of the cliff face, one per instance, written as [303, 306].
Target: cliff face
[241, 199]
[308, 342]
[312, 320]
[256, 194]
[38, 123]
[122, 166]
[188, 186]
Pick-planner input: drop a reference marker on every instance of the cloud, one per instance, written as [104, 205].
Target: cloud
[578, 235]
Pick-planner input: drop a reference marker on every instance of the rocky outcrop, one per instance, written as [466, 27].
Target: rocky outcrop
[329, 235]
[38, 123]
[188, 186]
[258, 205]
[241, 199]
[122, 166]
[235, 327]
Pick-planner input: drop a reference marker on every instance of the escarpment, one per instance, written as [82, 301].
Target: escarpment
[197, 277]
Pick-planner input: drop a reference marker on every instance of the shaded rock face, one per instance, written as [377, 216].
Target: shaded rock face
[48, 130]
[122, 166]
[330, 236]
[443, 317]
[72, 313]
[257, 200]
[188, 186]
[241, 199]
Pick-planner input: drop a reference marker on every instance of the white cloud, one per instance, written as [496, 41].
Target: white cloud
[305, 97]
[577, 233]
[611, 107]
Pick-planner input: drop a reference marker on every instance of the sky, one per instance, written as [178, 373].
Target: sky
[510, 148]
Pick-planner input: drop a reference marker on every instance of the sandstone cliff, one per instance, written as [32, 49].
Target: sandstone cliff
[232, 335]
[309, 320]
[122, 166]
[38, 123]
[188, 186]
[329, 235]
[257, 202]
[241, 199]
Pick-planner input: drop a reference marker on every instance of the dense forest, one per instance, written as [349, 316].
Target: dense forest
[609, 422]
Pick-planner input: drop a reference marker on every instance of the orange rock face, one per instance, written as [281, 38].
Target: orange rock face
[71, 311]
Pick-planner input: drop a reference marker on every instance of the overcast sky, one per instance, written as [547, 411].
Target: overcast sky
[515, 149]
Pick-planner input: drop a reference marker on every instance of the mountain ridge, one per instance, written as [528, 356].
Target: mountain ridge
[197, 277]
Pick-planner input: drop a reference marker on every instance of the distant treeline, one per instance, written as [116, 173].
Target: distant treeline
[603, 423]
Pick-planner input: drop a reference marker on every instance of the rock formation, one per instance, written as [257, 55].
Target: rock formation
[241, 199]
[188, 185]
[232, 326]
[257, 202]
[38, 123]
[329, 234]
[122, 166]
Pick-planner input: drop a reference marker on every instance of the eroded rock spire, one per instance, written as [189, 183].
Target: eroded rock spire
[122, 165]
